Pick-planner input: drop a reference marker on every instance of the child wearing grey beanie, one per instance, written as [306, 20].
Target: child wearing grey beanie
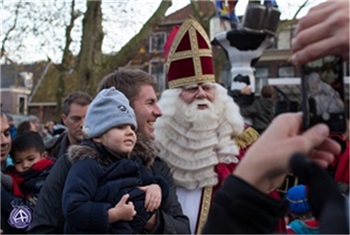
[105, 191]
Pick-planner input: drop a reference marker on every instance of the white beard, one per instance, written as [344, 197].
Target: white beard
[193, 141]
[198, 119]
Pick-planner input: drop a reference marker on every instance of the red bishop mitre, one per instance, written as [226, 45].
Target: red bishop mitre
[189, 55]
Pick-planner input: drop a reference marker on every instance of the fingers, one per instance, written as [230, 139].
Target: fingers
[318, 146]
[124, 198]
[314, 136]
[323, 31]
[331, 146]
[324, 154]
[322, 158]
[129, 211]
[152, 203]
[153, 197]
[133, 209]
[143, 188]
[313, 142]
[314, 16]
[284, 124]
[320, 47]
[313, 50]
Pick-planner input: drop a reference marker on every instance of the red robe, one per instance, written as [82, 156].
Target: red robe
[244, 141]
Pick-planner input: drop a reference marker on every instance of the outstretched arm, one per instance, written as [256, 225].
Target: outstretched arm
[263, 168]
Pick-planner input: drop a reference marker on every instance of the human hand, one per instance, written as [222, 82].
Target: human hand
[323, 31]
[153, 196]
[122, 210]
[151, 223]
[265, 164]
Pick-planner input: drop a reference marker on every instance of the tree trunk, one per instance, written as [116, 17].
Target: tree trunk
[65, 65]
[201, 15]
[90, 56]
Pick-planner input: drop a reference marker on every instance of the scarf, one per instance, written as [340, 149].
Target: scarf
[22, 181]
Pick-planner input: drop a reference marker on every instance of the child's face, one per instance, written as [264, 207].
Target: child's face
[119, 139]
[24, 160]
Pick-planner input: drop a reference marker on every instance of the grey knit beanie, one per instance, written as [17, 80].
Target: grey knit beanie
[110, 108]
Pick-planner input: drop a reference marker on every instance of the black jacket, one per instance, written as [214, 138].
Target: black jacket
[241, 209]
[261, 112]
[96, 182]
[27, 186]
[57, 146]
[48, 216]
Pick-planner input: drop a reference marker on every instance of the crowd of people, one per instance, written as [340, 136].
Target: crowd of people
[124, 162]
[47, 131]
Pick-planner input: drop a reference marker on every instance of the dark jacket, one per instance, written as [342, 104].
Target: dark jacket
[238, 208]
[96, 182]
[57, 146]
[24, 193]
[261, 112]
[240, 99]
[170, 218]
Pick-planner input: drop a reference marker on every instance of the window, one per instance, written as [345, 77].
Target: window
[157, 41]
[261, 72]
[22, 105]
[157, 69]
[261, 75]
[286, 71]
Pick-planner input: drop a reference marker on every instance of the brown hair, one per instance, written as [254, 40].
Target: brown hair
[77, 97]
[23, 127]
[268, 91]
[128, 81]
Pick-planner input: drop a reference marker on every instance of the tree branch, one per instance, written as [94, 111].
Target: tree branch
[13, 27]
[128, 51]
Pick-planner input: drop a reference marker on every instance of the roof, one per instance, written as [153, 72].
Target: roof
[206, 7]
[10, 73]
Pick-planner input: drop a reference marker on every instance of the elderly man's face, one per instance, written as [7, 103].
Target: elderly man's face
[198, 92]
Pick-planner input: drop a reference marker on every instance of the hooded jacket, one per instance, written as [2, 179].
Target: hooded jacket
[48, 217]
[96, 182]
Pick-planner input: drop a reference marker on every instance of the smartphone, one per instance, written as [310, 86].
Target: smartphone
[322, 94]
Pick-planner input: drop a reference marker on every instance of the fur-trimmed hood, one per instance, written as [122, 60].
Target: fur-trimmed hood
[144, 150]
[80, 152]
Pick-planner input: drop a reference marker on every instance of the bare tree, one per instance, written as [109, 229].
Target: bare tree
[66, 66]
[8, 32]
[133, 46]
[91, 64]
[202, 13]
[82, 62]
